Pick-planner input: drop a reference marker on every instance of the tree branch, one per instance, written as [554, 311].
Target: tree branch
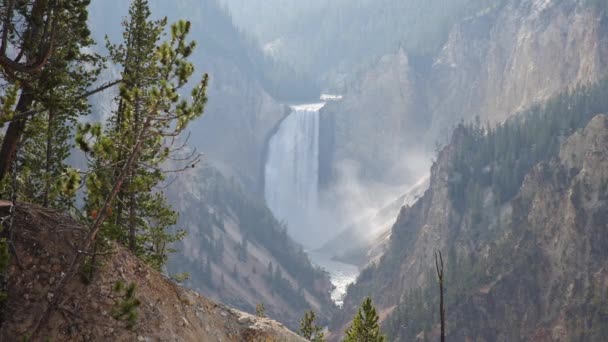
[27, 114]
[100, 89]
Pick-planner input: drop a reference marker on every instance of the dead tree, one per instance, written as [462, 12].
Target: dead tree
[439, 268]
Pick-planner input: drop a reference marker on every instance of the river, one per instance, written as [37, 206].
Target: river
[341, 274]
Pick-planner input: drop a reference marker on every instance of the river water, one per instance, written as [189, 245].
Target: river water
[341, 274]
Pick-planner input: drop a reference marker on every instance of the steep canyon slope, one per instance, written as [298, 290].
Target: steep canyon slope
[523, 234]
[236, 252]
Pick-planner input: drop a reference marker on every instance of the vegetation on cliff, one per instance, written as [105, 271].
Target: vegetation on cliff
[237, 252]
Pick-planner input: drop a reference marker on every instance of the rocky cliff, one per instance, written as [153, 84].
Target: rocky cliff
[515, 54]
[368, 126]
[503, 59]
[45, 242]
[238, 106]
[536, 269]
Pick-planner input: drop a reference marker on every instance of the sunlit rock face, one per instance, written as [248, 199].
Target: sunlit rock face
[510, 56]
[515, 55]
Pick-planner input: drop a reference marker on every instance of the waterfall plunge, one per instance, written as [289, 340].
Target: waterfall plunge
[292, 172]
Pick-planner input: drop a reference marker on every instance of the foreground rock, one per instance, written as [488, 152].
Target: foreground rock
[45, 242]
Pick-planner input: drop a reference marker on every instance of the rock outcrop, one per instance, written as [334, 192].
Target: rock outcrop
[367, 126]
[238, 107]
[45, 242]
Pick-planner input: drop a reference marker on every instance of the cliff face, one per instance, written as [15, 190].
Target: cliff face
[238, 106]
[46, 241]
[368, 125]
[516, 54]
[503, 59]
[538, 271]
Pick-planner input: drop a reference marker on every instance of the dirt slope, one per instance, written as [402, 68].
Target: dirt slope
[45, 242]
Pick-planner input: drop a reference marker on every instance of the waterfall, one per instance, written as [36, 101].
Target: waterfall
[292, 172]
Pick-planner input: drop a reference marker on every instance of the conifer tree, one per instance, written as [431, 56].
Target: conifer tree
[260, 310]
[365, 327]
[150, 116]
[45, 60]
[45, 177]
[309, 329]
[125, 308]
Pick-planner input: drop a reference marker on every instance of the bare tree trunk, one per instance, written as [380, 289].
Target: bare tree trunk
[132, 221]
[40, 23]
[132, 202]
[121, 195]
[439, 267]
[14, 133]
[49, 153]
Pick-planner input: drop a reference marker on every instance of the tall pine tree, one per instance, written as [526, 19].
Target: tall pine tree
[150, 116]
[45, 176]
[44, 56]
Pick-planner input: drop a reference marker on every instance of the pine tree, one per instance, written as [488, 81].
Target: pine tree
[137, 56]
[365, 327]
[51, 69]
[150, 115]
[140, 73]
[260, 310]
[125, 308]
[309, 330]
[45, 177]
